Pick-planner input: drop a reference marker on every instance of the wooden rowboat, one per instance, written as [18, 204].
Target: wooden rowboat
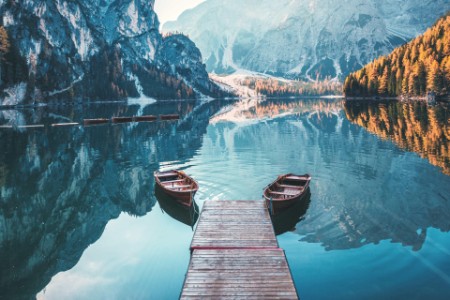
[120, 120]
[286, 190]
[88, 122]
[169, 117]
[177, 184]
[287, 219]
[183, 213]
[149, 118]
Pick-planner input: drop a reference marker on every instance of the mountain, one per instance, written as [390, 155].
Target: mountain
[421, 66]
[97, 49]
[306, 38]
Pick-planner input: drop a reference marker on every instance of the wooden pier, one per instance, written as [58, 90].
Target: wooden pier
[235, 255]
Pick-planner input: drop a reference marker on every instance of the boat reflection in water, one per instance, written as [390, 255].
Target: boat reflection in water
[285, 220]
[185, 214]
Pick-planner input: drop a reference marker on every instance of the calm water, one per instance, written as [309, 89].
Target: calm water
[79, 218]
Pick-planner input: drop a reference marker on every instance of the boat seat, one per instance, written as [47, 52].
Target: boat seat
[172, 181]
[167, 174]
[184, 190]
[295, 178]
[283, 193]
[290, 186]
[179, 186]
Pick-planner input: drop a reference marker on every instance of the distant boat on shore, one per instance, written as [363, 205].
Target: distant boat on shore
[169, 117]
[149, 118]
[119, 120]
[88, 122]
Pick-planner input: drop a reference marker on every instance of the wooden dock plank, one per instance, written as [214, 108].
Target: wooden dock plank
[244, 224]
[235, 255]
[238, 273]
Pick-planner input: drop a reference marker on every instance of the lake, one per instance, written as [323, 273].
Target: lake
[79, 218]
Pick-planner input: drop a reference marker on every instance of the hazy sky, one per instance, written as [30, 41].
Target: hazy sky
[170, 9]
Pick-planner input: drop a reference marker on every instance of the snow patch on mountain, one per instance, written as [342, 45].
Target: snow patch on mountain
[15, 94]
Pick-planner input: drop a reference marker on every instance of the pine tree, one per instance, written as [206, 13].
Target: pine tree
[398, 83]
[421, 78]
[373, 80]
[433, 80]
[4, 41]
[412, 69]
[413, 84]
[383, 87]
[4, 48]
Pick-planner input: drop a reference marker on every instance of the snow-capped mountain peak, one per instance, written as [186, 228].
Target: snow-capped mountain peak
[308, 38]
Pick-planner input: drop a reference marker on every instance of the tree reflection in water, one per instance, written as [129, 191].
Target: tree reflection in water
[365, 190]
[413, 126]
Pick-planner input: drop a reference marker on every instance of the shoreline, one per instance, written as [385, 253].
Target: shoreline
[444, 99]
[401, 97]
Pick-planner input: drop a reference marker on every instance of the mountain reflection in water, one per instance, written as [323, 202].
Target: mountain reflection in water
[61, 186]
[365, 191]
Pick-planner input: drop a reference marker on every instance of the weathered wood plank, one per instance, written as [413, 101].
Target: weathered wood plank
[233, 203]
[243, 211]
[213, 243]
[236, 235]
[232, 280]
[236, 297]
[232, 277]
[241, 217]
[234, 224]
[241, 291]
[235, 255]
[219, 293]
[231, 253]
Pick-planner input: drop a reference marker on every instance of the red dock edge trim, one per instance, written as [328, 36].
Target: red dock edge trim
[235, 248]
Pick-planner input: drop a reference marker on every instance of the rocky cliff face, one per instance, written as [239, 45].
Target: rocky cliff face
[100, 49]
[307, 38]
[179, 55]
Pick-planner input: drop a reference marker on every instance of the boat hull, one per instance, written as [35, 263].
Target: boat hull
[285, 220]
[279, 196]
[183, 213]
[184, 198]
[177, 185]
[278, 206]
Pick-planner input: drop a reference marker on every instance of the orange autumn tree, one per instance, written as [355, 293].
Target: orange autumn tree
[4, 48]
[413, 69]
